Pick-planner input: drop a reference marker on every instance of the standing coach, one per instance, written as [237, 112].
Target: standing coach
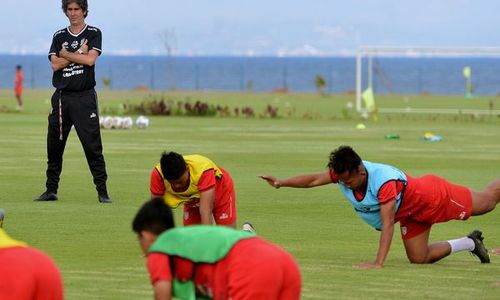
[72, 55]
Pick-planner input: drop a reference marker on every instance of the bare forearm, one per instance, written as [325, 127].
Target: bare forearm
[59, 63]
[385, 243]
[207, 199]
[82, 59]
[206, 217]
[303, 181]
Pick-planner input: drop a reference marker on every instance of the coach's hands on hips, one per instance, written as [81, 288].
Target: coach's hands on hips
[273, 181]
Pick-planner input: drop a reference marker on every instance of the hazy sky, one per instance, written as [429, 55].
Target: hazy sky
[257, 27]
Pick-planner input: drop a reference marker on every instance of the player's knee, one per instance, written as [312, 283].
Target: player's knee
[417, 260]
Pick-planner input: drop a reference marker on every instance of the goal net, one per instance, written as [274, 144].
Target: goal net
[405, 74]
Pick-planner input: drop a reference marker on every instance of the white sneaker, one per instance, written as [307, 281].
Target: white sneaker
[247, 226]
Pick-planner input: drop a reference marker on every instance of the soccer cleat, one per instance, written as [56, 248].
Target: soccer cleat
[247, 226]
[104, 198]
[2, 215]
[47, 196]
[479, 249]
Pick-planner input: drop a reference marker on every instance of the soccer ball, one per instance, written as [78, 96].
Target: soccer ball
[142, 122]
[127, 122]
[116, 122]
[107, 122]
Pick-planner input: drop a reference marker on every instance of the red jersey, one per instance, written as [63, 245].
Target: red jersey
[157, 185]
[253, 269]
[28, 274]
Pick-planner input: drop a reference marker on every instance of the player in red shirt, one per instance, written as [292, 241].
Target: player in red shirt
[18, 87]
[251, 269]
[205, 189]
[383, 195]
[27, 273]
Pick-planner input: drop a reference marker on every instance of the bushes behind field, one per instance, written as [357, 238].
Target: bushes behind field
[154, 105]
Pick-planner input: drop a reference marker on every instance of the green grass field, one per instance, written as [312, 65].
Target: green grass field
[99, 256]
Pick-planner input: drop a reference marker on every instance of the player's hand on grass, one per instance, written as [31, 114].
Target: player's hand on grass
[273, 181]
[496, 251]
[368, 265]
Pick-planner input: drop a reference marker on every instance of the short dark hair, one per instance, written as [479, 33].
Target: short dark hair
[344, 159]
[172, 165]
[19, 67]
[82, 3]
[154, 216]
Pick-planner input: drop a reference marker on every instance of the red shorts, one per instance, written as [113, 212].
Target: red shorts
[430, 199]
[224, 211]
[257, 269]
[18, 91]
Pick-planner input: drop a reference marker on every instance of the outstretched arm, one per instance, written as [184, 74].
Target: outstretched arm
[387, 213]
[300, 181]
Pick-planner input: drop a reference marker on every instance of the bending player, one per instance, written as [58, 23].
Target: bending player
[213, 262]
[205, 189]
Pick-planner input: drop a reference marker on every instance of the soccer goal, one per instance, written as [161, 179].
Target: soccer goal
[426, 71]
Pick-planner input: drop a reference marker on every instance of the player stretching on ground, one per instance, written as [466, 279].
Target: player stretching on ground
[383, 195]
[205, 189]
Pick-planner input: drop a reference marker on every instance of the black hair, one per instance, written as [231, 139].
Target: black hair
[19, 67]
[154, 216]
[172, 165]
[344, 159]
[82, 3]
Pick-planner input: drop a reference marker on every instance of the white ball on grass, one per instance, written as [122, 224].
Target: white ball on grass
[142, 122]
[127, 122]
[107, 122]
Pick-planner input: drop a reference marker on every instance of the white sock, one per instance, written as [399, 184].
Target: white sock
[461, 244]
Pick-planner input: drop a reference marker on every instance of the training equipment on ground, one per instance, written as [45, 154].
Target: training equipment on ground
[142, 122]
[107, 122]
[127, 123]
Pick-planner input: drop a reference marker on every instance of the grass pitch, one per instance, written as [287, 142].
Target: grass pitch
[99, 256]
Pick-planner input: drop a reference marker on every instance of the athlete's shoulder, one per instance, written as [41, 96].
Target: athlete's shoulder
[93, 29]
[61, 32]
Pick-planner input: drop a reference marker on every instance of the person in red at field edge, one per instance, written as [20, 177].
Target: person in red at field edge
[211, 262]
[205, 189]
[383, 195]
[18, 87]
[27, 273]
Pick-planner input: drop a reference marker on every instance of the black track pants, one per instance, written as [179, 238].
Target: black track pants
[79, 109]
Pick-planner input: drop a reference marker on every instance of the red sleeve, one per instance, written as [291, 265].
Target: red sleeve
[156, 184]
[207, 180]
[389, 191]
[333, 176]
[158, 266]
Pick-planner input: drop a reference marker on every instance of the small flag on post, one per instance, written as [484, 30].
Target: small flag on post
[369, 99]
[468, 85]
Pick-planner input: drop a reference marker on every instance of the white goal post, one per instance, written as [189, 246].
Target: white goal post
[367, 53]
